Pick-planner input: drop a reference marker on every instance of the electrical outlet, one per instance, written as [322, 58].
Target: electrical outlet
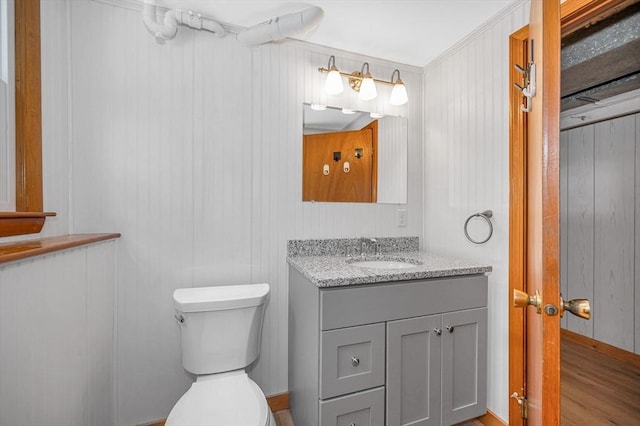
[401, 218]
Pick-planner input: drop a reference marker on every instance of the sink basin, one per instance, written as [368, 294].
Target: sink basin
[384, 264]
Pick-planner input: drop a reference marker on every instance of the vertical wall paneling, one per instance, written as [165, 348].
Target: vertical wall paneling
[193, 153]
[601, 227]
[55, 115]
[580, 230]
[56, 338]
[466, 169]
[614, 231]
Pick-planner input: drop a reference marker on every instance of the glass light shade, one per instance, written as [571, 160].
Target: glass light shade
[333, 84]
[398, 94]
[368, 88]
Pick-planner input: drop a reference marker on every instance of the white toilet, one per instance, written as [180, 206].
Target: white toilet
[221, 333]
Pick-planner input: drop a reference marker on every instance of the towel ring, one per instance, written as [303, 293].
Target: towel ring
[486, 215]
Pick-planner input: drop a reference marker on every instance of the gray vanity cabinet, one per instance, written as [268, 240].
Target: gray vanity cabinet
[436, 368]
[397, 353]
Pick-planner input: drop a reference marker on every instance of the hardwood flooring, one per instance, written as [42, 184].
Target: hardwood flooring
[597, 389]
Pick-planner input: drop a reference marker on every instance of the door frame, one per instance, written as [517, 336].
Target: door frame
[574, 14]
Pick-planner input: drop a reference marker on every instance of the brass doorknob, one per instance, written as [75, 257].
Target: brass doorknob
[578, 307]
[522, 299]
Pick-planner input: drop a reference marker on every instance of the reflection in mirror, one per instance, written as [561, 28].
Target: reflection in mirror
[351, 157]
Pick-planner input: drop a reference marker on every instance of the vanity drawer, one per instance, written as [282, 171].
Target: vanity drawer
[361, 409]
[353, 359]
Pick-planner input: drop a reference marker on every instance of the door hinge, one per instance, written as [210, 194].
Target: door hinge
[522, 402]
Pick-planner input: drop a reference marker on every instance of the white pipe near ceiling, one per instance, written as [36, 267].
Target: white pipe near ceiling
[173, 18]
[282, 26]
[161, 32]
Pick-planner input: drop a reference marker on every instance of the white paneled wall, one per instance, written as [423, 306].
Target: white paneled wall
[466, 163]
[192, 150]
[599, 197]
[57, 360]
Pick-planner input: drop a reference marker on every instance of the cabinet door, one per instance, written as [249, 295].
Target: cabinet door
[464, 365]
[413, 371]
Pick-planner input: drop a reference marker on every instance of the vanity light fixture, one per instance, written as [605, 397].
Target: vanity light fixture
[399, 92]
[333, 85]
[367, 86]
[363, 82]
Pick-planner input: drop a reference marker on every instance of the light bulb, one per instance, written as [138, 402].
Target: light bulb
[333, 84]
[367, 88]
[398, 94]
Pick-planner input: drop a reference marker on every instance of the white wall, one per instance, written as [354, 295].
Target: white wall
[57, 359]
[192, 150]
[466, 163]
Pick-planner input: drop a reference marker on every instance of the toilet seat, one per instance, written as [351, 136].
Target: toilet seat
[225, 399]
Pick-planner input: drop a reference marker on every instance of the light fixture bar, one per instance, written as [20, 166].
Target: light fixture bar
[357, 77]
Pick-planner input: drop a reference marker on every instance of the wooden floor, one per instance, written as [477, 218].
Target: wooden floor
[597, 389]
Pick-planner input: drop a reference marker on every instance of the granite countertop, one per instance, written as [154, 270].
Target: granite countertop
[336, 270]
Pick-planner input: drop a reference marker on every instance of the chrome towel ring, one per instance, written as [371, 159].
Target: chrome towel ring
[486, 215]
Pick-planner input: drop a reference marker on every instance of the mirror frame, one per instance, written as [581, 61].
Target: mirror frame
[28, 217]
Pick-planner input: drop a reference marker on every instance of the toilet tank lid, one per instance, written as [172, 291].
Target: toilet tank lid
[198, 299]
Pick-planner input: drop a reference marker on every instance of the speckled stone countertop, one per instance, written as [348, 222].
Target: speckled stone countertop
[334, 270]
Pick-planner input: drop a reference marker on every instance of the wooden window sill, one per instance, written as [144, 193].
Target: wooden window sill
[29, 248]
[21, 223]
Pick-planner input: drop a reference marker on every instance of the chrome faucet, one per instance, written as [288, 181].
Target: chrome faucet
[363, 246]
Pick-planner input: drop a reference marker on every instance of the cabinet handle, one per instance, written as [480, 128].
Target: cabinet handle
[437, 331]
[355, 361]
[450, 328]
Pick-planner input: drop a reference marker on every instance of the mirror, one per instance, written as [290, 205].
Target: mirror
[351, 157]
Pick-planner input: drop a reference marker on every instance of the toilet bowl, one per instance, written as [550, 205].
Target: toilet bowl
[221, 330]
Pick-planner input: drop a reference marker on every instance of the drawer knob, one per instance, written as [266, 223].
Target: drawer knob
[355, 361]
[352, 424]
[437, 331]
[450, 328]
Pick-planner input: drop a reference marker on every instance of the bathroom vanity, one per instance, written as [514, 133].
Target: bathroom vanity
[371, 346]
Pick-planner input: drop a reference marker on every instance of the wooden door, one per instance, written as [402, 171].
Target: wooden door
[542, 340]
[337, 183]
[534, 353]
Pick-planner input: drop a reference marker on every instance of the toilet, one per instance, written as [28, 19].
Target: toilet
[221, 330]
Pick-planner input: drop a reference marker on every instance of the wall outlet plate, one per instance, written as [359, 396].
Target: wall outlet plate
[401, 218]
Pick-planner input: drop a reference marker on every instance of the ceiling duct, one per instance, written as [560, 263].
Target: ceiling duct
[282, 27]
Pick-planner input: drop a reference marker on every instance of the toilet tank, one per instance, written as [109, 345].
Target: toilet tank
[221, 326]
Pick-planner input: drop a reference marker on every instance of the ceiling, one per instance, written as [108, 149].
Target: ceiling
[410, 32]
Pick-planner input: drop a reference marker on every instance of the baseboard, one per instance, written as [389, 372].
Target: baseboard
[603, 348]
[490, 419]
[279, 401]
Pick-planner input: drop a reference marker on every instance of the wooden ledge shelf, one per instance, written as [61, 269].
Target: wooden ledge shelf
[28, 248]
[21, 223]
